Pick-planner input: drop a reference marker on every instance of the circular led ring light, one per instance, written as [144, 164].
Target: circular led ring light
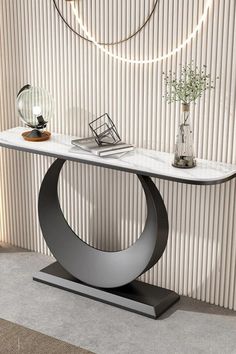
[147, 61]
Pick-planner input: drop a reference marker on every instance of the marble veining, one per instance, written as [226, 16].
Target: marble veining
[143, 161]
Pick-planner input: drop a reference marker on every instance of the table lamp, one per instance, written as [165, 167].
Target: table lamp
[35, 107]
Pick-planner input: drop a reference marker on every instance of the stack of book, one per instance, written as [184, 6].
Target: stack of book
[90, 145]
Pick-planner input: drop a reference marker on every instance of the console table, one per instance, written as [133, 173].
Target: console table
[110, 277]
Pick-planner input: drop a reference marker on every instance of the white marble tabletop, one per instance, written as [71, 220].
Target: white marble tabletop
[141, 161]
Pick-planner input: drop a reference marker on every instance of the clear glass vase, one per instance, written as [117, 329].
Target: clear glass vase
[184, 155]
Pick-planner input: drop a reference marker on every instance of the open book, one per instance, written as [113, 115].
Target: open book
[90, 145]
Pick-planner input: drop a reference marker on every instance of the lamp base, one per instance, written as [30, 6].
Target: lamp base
[36, 135]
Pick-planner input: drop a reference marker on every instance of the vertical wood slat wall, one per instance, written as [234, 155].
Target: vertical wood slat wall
[108, 208]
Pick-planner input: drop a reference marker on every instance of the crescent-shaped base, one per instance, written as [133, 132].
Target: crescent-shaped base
[144, 299]
[93, 266]
[106, 276]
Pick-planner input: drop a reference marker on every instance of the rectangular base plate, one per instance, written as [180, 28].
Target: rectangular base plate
[139, 297]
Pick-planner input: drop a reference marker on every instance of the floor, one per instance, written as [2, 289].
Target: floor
[188, 327]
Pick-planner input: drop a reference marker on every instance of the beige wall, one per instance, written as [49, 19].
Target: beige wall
[106, 207]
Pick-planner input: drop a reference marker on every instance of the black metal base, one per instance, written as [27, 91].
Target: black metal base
[139, 297]
[35, 133]
[100, 268]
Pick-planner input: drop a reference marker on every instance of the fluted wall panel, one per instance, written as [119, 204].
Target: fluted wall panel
[107, 208]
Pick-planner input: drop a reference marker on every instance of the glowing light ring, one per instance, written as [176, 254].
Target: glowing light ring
[147, 61]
